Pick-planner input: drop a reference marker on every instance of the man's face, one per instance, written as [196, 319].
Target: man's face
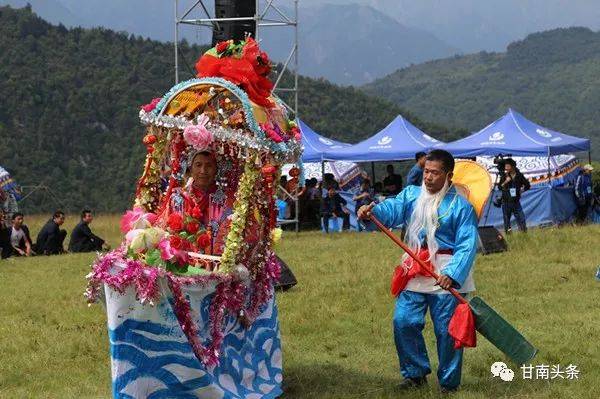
[59, 220]
[508, 168]
[87, 218]
[434, 176]
[204, 170]
[331, 192]
[421, 162]
[18, 221]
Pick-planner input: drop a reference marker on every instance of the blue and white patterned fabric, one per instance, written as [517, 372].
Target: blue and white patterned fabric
[151, 357]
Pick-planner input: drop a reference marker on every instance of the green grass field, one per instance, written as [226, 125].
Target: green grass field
[336, 324]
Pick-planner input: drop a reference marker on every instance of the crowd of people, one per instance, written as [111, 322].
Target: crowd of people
[15, 237]
[320, 201]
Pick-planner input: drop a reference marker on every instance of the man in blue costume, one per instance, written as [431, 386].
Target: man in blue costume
[442, 223]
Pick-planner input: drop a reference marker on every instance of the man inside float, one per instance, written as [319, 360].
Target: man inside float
[441, 227]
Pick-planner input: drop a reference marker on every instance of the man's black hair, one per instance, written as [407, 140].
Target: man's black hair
[444, 157]
[420, 155]
[389, 166]
[85, 212]
[16, 215]
[58, 214]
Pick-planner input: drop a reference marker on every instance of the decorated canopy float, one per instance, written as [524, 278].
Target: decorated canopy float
[189, 293]
[9, 193]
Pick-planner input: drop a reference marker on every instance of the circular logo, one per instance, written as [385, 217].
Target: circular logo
[496, 136]
[384, 140]
[325, 141]
[543, 133]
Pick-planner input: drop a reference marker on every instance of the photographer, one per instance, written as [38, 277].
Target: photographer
[513, 184]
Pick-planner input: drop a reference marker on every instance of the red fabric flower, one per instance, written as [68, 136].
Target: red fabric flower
[196, 212]
[175, 222]
[249, 72]
[176, 242]
[222, 46]
[192, 227]
[203, 240]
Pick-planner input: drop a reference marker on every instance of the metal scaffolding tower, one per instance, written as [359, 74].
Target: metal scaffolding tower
[268, 14]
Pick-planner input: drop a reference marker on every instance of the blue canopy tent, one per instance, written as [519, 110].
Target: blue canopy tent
[316, 145]
[516, 135]
[400, 140]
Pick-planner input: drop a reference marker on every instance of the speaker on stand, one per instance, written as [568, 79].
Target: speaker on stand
[236, 30]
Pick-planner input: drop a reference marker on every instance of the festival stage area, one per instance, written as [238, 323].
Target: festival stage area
[335, 324]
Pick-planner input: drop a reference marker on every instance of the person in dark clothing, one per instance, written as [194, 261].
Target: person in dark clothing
[5, 248]
[50, 238]
[392, 183]
[333, 205]
[513, 184]
[415, 175]
[583, 192]
[82, 238]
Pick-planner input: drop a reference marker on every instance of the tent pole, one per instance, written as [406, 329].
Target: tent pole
[589, 157]
[322, 170]
[549, 171]
[372, 174]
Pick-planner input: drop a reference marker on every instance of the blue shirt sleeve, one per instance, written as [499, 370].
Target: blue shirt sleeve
[465, 246]
[413, 177]
[393, 211]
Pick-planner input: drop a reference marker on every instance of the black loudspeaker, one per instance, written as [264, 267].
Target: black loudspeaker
[287, 279]
[235, 30]
[491, 241]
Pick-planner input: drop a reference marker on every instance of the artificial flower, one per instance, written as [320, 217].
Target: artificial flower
[176, 242]
[196, 212]
[150, 107]
[198, 136]
[276, 234]
[136, 219]
[192, 227]
[175, 222]
[203, 240]
[166, 251]
[139, 240]
[222, 46]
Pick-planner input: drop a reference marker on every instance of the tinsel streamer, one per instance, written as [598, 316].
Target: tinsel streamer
[241, 207]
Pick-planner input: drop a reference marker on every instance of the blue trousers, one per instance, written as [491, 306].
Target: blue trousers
[409, 321]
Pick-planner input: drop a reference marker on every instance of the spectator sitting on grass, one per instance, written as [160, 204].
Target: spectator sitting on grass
[82, 238]
[50, 238]
[20, 241]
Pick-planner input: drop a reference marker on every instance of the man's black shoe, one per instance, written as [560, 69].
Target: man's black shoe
[447, 391]
[411, 383]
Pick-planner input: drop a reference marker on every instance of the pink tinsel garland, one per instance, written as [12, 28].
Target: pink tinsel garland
[230, 295]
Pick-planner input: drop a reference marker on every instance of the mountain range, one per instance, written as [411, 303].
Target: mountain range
[552, 77]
